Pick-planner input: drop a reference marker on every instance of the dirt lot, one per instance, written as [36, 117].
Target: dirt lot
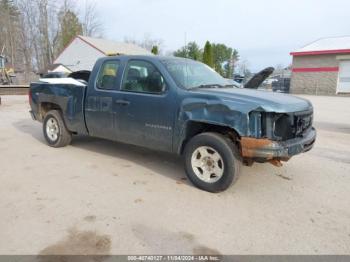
[102, 197]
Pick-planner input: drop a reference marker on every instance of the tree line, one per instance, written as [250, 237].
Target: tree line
[218, 56]
[34, 32]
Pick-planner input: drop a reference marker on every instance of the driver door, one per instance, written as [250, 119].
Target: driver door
[146, 108]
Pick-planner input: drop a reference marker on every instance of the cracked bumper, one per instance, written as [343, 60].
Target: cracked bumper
[267, 149]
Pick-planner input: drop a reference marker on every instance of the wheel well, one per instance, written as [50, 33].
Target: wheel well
[46, 107]
[195, 128]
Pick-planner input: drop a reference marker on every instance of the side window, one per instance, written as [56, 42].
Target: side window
[142, 76]
[108, 75]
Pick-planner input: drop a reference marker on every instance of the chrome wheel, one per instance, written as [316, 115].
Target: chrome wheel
[52, 129]
[207, 164]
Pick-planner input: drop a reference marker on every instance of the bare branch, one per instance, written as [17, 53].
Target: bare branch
[92, 25]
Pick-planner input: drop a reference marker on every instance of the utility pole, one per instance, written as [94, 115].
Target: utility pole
[185, 46]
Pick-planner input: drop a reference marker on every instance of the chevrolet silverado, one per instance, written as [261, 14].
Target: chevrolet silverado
[180, 106]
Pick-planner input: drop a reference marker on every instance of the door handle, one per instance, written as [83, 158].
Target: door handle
[122, 102]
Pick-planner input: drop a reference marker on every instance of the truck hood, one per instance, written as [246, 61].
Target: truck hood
[259, 78]
[250, 99]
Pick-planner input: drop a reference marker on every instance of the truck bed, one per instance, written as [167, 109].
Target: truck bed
[67, 93]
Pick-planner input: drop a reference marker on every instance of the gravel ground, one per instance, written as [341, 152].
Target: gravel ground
[100, 197]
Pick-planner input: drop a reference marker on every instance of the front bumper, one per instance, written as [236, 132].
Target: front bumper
[266, 149]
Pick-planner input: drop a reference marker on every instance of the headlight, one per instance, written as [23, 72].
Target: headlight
[282, 126]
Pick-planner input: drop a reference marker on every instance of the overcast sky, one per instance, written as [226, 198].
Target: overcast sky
[264, 32]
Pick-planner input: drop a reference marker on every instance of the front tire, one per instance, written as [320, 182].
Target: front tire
[212, 161]
[55, 131]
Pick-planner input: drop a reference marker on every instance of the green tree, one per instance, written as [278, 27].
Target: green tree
[182, 52]
[225, 59]
[221, 54]
[70, 27]
[208, 54]
[230, 64]
[228, 70]
[155, 50]
[194, 51]
[191, 50]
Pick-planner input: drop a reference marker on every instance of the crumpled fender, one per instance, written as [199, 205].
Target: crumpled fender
[211, 111]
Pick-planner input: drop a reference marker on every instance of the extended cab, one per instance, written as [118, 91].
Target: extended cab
[175, 105]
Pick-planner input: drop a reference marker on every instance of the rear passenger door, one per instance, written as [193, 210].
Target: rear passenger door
[146, 108]
[100, 107]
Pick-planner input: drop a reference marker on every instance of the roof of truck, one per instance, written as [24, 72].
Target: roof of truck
[150, 57]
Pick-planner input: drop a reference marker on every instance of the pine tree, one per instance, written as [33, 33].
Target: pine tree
[70, 27]
[208, 54]
[155, 50]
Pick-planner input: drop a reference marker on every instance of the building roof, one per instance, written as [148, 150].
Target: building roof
[330, 45]
[108, 46]
[53, 67]
[82, 52]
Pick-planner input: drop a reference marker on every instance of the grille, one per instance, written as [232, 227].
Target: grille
[302, 123]
[288, 126]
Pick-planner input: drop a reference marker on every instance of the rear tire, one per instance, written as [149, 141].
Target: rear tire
[212, 162]
[55, 130]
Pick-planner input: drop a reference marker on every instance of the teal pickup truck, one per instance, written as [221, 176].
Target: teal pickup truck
[179, 106]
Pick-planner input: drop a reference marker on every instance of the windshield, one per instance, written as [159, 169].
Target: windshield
[191, 74]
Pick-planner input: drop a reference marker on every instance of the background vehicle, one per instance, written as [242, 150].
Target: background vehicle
[180, 106]
[281, 85]
[6, 74]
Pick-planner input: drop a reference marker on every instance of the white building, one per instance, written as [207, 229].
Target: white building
[82, 52]
[322, 67]
[58, 68]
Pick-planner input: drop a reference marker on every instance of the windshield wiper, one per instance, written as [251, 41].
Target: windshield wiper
[208, 86]
[230, 85]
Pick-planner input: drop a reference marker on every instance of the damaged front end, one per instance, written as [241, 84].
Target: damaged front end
[276, 137]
